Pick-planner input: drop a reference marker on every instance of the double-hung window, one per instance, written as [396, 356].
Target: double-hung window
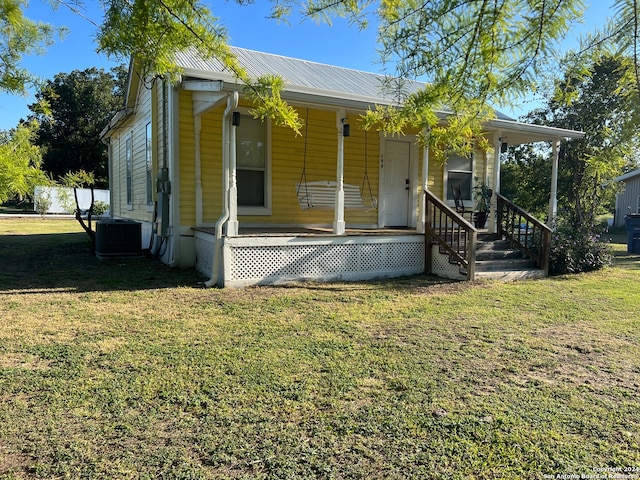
[128, 154]
[252, 166]
[148, 165]
[460, 175]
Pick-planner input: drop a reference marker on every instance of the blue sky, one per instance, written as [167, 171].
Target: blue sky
[247, 26]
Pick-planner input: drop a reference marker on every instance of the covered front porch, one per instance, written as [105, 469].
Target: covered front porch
[450, 248]
[284, 234]
[269, 206]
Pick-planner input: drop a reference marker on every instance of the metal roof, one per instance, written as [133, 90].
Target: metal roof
[307, 81]
[300, 76]
[627, 176]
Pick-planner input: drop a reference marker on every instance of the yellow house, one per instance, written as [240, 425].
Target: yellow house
[247, 202]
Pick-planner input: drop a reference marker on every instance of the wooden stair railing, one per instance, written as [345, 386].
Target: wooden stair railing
[452, 233]
[524, 231]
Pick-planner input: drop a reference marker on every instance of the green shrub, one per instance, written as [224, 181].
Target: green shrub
[576, 249]
[100, 207]
[43, 203]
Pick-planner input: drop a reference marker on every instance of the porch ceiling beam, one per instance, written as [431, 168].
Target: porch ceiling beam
[205, 101]
[203, 85]
[519, 133]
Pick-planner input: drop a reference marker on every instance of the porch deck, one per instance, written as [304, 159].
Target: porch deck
[285, 231]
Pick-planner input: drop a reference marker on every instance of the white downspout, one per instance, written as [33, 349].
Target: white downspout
[197, 126]
[338, 218]
[553, 197]
[228, 150]
[422, 213]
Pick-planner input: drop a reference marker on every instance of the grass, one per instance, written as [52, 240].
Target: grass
[15, 207]
[127, 369]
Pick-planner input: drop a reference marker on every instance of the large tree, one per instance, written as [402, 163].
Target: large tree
[587, 166]
[80, 104]
[19, 37]
[525, 177]
[473, 53]
[20, 162]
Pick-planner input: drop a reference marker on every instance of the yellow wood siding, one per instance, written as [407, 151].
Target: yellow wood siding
[211, 165]
[186, 153]
[288, 161]
[118, 174]
[315, 150]
[133, 127]
[287, 155]
[361, 147]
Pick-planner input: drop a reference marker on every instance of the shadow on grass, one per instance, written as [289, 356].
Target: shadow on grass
[40, 263]
[628, 261]
[65, 261]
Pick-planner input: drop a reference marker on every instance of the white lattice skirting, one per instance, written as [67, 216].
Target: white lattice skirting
[273, 260]
[443, 268]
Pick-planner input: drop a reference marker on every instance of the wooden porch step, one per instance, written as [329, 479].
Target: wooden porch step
[510, 275]
[496, 259]
[498, 250]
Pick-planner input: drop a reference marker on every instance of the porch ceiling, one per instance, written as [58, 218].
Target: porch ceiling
[515, 133]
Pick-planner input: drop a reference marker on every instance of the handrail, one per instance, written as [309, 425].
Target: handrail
[455, 235]
[524, 231]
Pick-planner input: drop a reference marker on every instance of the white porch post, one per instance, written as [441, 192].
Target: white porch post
[197, 126]
[232, 224]
[422, 214]
[493, 218]
[338, 218]
[553, 197]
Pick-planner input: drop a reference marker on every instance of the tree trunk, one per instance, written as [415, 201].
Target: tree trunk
[86, 226]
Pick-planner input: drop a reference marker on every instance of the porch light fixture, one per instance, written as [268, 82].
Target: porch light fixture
[504, 146]
[346, 128]
[235, 119]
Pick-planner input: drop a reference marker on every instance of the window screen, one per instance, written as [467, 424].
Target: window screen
[251, 167]
[460, 174]
[129, 166]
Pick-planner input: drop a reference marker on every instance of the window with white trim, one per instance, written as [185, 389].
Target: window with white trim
[128, 155]
[252, 166]
[148, 159]
[460, 174]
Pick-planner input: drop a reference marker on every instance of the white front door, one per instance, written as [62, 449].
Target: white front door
[396, 182]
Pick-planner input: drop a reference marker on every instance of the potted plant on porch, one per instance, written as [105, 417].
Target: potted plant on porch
[482, 195]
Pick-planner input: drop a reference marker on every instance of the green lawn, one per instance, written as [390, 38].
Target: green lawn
[127, 369]
[21, 208]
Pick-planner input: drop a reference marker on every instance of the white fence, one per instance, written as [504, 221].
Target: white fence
[61, 199]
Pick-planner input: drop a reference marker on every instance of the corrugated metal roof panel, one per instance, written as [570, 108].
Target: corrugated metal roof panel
[302, 74]
[309, 80]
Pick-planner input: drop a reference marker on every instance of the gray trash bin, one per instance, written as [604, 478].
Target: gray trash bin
[633, 232]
